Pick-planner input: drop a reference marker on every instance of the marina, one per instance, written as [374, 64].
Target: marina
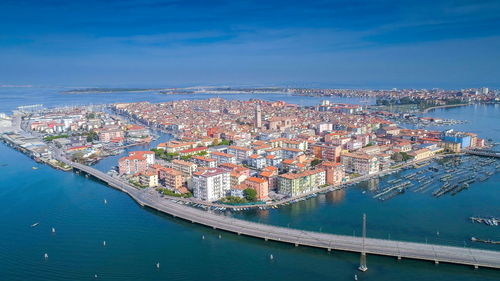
[447, 176]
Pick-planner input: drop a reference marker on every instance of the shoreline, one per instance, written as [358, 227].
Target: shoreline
[275, 204]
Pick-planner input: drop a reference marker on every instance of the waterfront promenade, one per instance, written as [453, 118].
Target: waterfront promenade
[297, 237]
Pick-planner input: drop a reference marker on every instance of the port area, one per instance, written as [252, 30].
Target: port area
[440, 177]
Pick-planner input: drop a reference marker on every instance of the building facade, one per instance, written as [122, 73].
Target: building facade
[211, 184]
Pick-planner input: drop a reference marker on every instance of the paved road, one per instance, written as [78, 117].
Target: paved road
[430, 252]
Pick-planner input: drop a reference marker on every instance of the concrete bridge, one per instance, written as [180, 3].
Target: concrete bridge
[330, 242]
[483, 152]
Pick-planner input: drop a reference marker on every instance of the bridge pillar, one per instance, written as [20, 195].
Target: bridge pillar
[362, 262]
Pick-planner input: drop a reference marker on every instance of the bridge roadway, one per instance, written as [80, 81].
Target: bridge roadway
[483, 152]
[399, 249]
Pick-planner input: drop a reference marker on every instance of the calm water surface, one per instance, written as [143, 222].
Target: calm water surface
[138, 238]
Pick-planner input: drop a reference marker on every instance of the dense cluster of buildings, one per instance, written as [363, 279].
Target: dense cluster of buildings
[276, 149]
[85, 132]
[466, 95]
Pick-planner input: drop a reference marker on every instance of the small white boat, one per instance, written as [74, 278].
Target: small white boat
[105, 201]
[355, 277]
[104, 243]
[46, 256]
[271, 257]
[220, 236]
[53, 230]
[35, 224]
[203, 237]
[157, 265]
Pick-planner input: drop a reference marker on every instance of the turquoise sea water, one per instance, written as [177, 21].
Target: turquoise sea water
[138, 238]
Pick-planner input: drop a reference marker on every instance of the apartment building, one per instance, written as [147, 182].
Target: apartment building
[186, 168]
[360, 163]
[211, 184]
[222, 157]
[241, 153]
[293, 184]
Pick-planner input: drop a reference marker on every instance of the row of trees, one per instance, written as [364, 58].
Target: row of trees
[249, 195]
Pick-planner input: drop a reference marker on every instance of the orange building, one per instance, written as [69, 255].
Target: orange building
[327, 152]
[334, 172]
[169, 177]
[261, 186]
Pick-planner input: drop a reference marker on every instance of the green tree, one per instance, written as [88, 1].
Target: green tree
[186, 157]
[397, 157]
[405, 156]
[91, 136]
[158, 152]
[250, 194]
[315, 162]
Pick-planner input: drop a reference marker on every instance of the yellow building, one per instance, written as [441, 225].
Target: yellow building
[451, 146]
[148, 178]
[421, 154]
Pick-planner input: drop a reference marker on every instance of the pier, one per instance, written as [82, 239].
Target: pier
[330, 242]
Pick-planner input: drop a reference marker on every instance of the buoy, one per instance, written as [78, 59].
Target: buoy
[157, 265]
[46, 256]
[53, 230]
[104, 243]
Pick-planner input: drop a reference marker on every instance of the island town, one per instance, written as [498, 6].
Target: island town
[235, 153]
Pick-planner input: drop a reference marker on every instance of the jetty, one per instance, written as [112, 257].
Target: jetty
[330, 242]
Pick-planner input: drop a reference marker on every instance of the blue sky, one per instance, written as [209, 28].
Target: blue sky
[346, 43]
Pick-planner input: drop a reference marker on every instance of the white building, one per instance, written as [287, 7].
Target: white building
[256, 161]
[211, 184]
[241, 153]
